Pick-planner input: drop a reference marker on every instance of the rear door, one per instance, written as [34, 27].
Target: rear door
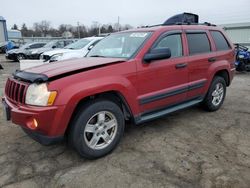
[201, 56]
[164, 82]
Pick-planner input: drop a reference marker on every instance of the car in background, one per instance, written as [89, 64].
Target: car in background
[35, 54]
[22, 52]
[7, 45]
[75, 50]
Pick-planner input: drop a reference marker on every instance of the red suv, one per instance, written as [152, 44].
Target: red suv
[135, 75]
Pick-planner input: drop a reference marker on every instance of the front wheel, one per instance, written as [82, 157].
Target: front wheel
[97, 128]
[20, 57]
[216, 94]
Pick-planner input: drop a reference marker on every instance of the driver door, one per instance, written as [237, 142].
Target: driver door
[163, 83]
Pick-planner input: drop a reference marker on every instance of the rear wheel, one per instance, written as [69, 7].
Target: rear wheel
[216, 94]
[97, 128]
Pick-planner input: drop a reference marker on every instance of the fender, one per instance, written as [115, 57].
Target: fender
[214, 68]
[71, 95]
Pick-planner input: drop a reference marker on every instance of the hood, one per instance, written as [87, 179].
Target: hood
[52, 71]
[12, 51]
[57, 51]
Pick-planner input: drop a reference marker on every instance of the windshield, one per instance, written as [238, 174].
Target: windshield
[120, 45]
[78, 45]
[50, 44]
[25, 46]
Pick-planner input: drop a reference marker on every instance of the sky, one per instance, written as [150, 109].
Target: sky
[133, 12]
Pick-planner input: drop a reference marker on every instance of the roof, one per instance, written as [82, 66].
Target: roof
[2, 18]
[173, 27]
[236, 25]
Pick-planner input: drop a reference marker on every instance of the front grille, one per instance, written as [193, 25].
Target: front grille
[16, 91]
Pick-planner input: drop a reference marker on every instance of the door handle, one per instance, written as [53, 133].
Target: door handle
[212, 59]
[180, 65]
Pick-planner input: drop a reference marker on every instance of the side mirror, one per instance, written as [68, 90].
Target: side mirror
[27, 48]
[53, 47]
[157, 54]
[90, 47]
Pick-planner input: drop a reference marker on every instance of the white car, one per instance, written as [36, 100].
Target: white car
[75, 50]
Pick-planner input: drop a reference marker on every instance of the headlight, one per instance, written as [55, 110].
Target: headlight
[56, 57]
[38, 94]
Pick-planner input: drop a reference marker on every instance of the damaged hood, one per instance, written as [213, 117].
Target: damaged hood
[46, 72]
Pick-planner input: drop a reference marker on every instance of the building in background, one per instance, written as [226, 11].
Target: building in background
[3, 30]
[238, 33]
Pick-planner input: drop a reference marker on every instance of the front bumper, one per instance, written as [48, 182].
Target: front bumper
[43, 139]
[10, 56]
[48, 121]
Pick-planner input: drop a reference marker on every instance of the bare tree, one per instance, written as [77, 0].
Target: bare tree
[42, 27]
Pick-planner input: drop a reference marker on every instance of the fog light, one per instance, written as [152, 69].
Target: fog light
[32, 123]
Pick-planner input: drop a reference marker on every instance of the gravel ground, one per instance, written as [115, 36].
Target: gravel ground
[191, 148]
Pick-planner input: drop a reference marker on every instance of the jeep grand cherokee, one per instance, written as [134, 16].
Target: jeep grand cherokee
[135, 75]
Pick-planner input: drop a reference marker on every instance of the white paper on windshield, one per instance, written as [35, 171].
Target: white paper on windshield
[138, 34]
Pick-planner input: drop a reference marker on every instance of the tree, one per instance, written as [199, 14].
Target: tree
[110, 29]
[126, 27]
[24, 30]
[42, 27]
[15, 27]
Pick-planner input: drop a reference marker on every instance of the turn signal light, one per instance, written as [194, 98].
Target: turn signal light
[32, 123]
[52, 98]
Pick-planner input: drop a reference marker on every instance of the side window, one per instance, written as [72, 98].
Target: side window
[36, 46]
[60, 44]
[198, 43]
[32, 46]
[220, 41]
[67, 42]
[173, 42]
[41, 45]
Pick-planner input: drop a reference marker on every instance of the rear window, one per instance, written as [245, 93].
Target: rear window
[220, 41]
[198, 43]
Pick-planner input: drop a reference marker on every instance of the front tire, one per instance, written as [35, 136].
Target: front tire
[97, 128]
[216, 94]
[20, 57]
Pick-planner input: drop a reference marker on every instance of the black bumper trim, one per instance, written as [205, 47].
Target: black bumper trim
[43, 139]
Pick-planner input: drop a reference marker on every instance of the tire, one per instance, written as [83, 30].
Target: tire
[213, 100]
[20, 57]
[87, 131]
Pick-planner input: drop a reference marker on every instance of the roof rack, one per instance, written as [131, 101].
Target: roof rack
[183, 19]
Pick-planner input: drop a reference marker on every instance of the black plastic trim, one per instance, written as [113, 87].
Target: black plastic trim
[159, 112]
[29, 77]
[195, 31]
[171, 93]
[43, 139]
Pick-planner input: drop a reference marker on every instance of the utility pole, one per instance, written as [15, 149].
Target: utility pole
[99, 30]
[118, 24]
[78, 29]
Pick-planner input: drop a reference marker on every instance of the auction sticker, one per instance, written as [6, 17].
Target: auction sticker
[138, 34]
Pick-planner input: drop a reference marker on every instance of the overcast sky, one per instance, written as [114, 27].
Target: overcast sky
[133, 12]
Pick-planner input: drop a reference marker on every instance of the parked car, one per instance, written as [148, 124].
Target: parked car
[35, 54]
[6, 46]
[136, 75]
[75, 50]
[23, 52]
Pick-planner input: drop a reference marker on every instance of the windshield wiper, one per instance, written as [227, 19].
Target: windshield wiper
[97, 56]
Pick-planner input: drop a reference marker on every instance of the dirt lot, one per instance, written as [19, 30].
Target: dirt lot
[191, 148]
